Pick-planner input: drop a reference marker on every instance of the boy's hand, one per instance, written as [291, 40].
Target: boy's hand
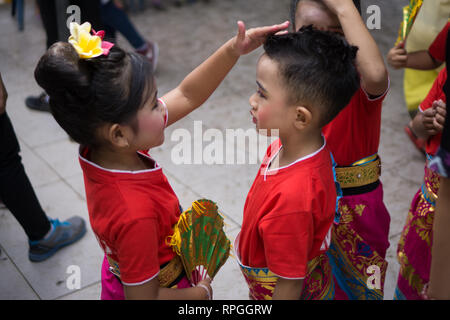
[397, 56]
[247, 41]
[3, 96]
[428, 117]
[439, 118]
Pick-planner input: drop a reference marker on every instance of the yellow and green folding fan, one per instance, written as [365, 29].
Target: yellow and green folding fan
[200, 241]
[409, 16]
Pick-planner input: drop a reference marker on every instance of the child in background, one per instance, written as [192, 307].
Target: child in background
[414, 248]
[304, 80]
[429, 59]
[440, 262]
[106, 99]
[361, 238]
[417, 81]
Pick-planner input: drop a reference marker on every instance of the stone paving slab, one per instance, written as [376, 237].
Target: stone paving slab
[186, 37]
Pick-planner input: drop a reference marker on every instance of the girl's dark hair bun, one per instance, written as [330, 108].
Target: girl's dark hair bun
[86, 93]
[58, 73]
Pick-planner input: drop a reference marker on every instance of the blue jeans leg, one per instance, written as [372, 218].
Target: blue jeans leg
[116, 19]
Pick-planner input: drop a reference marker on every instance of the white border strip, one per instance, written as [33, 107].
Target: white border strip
[380, 96]
[298, 160]
[167, 111]
[142, 282]
[122, 171]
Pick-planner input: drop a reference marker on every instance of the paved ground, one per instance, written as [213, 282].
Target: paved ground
[186, 36]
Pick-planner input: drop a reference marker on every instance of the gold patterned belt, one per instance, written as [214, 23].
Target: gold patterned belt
[167, 274]
[359, 175]
[430, 185]
[428, 195]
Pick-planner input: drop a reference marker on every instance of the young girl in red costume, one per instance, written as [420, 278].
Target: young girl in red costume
[106, 99]
[361, 238]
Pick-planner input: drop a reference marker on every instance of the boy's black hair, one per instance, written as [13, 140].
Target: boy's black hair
[317, 68]
[294, 4]
[87, 93]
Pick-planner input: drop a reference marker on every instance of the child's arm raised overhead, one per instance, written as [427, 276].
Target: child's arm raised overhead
[369, 60]
[196, 88]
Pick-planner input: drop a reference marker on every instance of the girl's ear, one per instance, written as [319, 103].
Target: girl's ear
[118, 136]
[303, 117]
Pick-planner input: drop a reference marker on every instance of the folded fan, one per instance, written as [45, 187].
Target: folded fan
[200, 241]
[409, 16]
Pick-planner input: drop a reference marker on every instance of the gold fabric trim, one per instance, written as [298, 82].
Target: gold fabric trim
[170, 272]
[430, 186]
[358, 176]
[167, 275]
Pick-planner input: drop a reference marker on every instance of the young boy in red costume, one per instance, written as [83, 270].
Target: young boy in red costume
[304, 80]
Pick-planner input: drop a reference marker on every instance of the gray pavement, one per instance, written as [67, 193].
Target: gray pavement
[186, 36]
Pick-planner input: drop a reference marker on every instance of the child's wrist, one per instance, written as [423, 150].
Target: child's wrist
[231, 48]
[346, 10]
[204, 292]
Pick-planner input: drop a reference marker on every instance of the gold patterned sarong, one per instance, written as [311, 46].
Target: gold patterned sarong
[168, 274]
[318, 283]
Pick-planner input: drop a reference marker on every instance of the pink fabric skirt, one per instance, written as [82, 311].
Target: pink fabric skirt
[414, 247]
[112, 288]
[359, 244]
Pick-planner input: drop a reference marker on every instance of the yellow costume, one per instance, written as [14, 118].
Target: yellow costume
[430, 20]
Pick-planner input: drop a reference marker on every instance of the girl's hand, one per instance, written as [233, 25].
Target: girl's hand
[336, 5]
[397, 56]
[247, 41]
[3, 96]
[439, 118]
[207, 292]
[428, 117]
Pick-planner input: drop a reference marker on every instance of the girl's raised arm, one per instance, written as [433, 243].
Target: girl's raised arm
[198, 86]
[374, 76]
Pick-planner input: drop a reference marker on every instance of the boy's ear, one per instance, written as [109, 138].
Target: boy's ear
[303, 117]
[118, 136]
